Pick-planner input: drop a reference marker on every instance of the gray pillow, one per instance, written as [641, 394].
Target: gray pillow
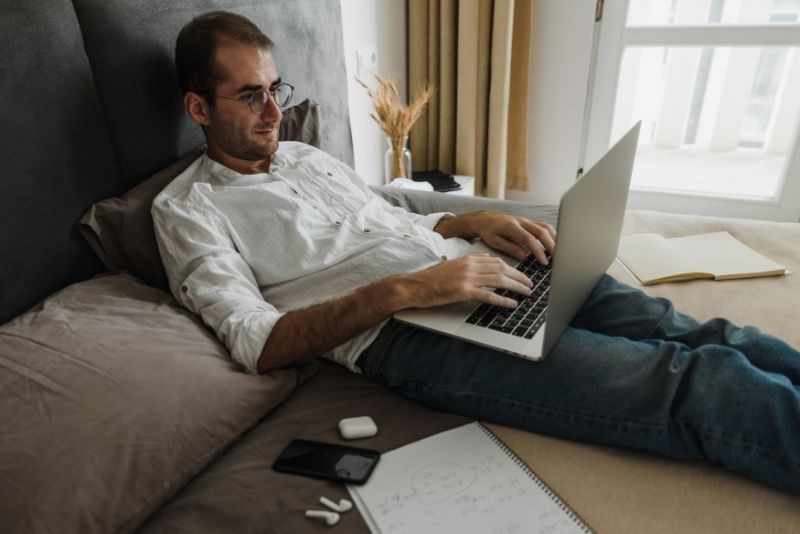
[120, 229]
[112, 397]
[301, 123]
[435, 202]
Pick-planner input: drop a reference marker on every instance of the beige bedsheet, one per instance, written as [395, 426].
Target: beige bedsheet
[626, 491]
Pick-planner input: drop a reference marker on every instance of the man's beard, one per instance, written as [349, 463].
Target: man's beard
[239, 143]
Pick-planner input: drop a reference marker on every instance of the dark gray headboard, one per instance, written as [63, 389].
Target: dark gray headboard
[91, 107]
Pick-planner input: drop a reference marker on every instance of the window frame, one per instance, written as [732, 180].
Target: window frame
[614, 36]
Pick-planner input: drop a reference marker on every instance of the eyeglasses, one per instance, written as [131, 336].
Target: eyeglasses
[257, 100]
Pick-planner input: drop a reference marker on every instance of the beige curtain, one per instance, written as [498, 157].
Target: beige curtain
[474, 53]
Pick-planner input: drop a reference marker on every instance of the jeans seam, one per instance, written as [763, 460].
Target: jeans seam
[540, 407]
[759, 449]
[658, 323]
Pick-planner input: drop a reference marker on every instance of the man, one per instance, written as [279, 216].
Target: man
[287, 255]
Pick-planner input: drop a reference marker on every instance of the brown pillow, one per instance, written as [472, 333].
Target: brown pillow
[301, 123]
[120, 229]
[111, 398]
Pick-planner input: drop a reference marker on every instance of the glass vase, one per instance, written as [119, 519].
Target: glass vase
[397, 159]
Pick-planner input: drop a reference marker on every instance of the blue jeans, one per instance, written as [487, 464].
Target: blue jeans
[629, 371]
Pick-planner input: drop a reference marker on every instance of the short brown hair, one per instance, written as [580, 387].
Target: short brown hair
[197, 42]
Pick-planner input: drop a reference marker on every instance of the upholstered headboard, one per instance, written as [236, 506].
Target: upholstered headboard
[90, 107]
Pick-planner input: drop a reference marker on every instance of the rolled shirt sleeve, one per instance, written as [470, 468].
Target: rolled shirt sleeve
[428, 221]
[209, 277]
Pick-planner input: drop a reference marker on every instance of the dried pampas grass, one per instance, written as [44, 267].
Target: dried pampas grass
[395, 119]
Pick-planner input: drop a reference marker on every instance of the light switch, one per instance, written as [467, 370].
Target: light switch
[367, 60]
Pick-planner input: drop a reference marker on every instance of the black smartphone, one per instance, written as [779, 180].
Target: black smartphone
[352, 465]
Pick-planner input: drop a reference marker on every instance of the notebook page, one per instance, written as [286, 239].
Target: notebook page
[458, 481]
[724, 256]
[652, 257]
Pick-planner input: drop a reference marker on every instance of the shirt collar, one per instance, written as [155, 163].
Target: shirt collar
[226, 174]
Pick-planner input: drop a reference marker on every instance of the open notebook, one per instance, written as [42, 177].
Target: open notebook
[464, 481]
[654, 259]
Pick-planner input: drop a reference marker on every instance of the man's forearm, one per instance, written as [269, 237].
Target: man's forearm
[302, 335]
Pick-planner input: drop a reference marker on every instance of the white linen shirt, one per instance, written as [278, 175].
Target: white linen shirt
[241, 250]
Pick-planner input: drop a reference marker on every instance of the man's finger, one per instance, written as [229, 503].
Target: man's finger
[508, 246]
[550, 230]
[500, 281]
[490, 297]
[513, 273]
[542, 232]
[496, 266]
[522, 235]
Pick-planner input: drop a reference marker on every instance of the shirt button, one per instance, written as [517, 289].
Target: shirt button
[407, 236]
[366, 230]
[337, 223]
[329, 173]
[185, 288]
[444, 258]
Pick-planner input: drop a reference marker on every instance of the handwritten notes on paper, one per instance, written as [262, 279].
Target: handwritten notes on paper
[461, 481]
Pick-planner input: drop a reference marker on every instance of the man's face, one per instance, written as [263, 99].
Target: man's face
[236, 136]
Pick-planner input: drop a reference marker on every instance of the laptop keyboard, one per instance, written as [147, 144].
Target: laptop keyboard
[531, 311]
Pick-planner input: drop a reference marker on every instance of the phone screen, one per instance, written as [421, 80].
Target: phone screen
[327, 460]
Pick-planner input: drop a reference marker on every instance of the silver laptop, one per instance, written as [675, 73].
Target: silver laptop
[589, 225]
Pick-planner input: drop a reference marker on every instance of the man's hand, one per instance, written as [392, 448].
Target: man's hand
[510, 234]
[470, 277]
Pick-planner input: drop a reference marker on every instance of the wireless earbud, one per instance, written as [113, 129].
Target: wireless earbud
[330, 518]
[343, 506]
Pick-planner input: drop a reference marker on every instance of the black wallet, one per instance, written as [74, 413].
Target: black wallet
[440, 181]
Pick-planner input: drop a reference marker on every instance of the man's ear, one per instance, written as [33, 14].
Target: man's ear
[197, 107]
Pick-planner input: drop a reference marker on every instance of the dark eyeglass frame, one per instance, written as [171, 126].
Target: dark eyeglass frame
[250, 97]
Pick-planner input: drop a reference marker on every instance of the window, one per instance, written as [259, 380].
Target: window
[715, 84]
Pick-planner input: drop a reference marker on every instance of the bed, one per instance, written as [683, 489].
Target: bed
[120, 411]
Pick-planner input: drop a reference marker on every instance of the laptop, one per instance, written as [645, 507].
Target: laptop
[589, 226]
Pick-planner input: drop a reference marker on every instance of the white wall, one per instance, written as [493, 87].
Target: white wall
[561, 50]
[380, 24]
[560, 54]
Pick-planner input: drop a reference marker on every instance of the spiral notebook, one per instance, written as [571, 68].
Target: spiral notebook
[463, 480]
